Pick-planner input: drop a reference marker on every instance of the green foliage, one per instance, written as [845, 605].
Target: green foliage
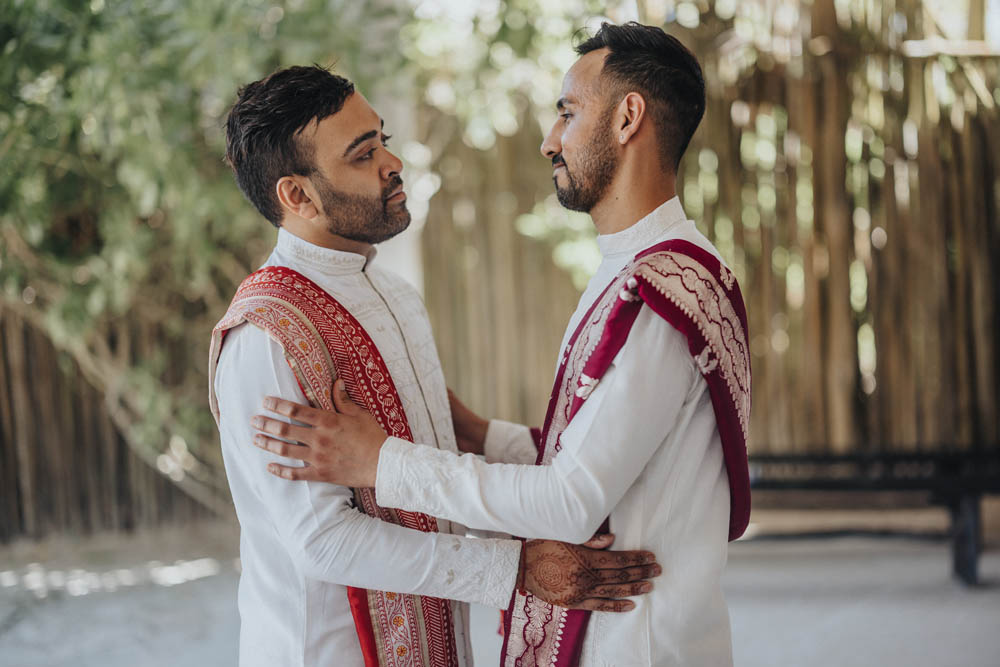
[121, 225]
[112, 122]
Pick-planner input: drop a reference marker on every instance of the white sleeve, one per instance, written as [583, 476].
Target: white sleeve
[325, 535]
[625, 420]
[507, 442]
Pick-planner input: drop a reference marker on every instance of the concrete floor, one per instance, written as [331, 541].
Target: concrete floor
[169, 600]
[860, 601]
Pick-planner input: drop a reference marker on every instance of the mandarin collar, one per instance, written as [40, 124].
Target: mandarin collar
[642, 234]
[325, 260]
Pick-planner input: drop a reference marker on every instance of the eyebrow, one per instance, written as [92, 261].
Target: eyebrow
[564, 102]
[361, 138]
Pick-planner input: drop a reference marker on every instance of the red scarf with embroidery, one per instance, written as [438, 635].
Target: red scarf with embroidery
[698, 295]
[323, 341]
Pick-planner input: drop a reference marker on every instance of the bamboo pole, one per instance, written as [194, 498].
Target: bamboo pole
[979, 178]
[23, 421]
[833, 214]
[10, 524]
[956, 341]
[50, 467]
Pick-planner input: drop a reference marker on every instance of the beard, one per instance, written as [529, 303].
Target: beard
[360, 217]
[589, 180]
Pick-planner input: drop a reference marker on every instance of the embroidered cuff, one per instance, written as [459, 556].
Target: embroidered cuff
[507, 442]
[483, 571]
[502, 574]
[389, 473]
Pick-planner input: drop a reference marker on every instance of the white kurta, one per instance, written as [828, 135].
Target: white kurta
[303, 542]
[644, 449]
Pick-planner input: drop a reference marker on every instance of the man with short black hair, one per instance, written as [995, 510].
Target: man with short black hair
[330, 575]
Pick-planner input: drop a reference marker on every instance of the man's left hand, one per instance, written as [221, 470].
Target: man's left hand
[339, 447]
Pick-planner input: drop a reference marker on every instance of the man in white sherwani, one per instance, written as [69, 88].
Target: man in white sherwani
[328, 576]
[647, 423]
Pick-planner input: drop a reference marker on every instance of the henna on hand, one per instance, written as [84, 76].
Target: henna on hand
[578, 577]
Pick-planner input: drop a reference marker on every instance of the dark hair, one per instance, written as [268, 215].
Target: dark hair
[646, 60]
[261, 141]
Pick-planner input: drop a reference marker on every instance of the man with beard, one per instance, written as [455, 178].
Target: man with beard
[646, 427]
[330, 575]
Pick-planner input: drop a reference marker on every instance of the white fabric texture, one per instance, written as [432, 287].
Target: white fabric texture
[644, 449]
[302, 543]
[509, 443]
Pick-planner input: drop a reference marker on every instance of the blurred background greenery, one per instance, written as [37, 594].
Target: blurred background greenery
[847, 169]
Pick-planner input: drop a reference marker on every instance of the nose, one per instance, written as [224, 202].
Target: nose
[392, 166]
[551, 145]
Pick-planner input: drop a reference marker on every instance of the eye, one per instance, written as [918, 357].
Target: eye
[370, 153]
[565, 115]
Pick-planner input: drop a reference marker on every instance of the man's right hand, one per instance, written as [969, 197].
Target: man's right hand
[470, 428]
[586, 576]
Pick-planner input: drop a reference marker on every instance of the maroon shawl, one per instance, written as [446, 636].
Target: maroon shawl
[699, 296]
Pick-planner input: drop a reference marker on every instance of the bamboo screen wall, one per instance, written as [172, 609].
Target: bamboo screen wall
[497, 301]
[64, 465]
[847, 168]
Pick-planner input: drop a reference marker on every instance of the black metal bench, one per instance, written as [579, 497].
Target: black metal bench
[956, 480]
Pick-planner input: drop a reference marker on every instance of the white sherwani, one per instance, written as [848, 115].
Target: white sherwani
[644, 449]
[303, 542]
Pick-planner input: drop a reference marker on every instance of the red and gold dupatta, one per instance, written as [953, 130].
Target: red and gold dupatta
[323, 341]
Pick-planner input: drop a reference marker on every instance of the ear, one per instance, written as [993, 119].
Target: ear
[297, 196]
[629, 116]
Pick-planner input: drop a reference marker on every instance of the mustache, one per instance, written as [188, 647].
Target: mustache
[558, 160]
[395, 182]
